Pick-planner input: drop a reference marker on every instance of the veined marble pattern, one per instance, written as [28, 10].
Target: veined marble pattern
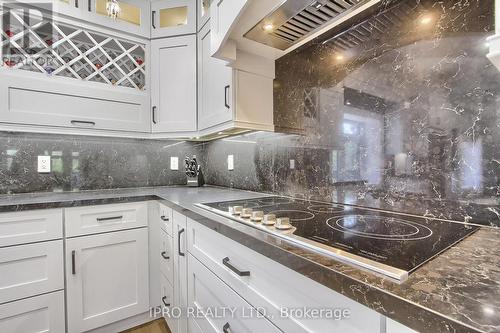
[83, 163]
[398, 111]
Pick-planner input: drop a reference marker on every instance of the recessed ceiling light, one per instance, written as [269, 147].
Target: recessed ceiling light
[339, 57]
[268, 27]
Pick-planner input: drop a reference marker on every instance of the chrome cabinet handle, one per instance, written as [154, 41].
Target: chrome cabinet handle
[164, 300]
[89, 5]
[82, 122]
[102, 219]
[73, 267]
[226, 91]
[182, 254]
[226, 263]
[226, 328]
[164, 255]
[153, 16]
[164, 218]
[154, 114]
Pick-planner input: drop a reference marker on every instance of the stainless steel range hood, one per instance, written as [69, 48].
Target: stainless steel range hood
[296, 20]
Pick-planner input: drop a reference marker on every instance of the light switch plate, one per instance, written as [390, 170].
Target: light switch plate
[292, 164]
[230, 162]
[174, 163]
[43, 164]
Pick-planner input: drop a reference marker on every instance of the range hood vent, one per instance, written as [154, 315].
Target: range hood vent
[294, 20]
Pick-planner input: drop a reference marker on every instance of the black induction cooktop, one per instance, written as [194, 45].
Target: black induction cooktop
[389, 243]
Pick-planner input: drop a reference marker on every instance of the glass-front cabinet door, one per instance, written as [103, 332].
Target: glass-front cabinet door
[173, 17]
[131, 16]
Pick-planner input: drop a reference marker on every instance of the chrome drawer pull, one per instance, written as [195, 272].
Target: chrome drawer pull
[164, 218]
[226, 263]
[82, 122]
[182, 254]
[164, 255]
[226, 328]
[102, 219]
[73, 268]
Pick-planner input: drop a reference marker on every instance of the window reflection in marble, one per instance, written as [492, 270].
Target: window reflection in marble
[397, 110]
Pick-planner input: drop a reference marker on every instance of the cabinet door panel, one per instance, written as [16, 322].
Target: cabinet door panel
[43, 313]
[223, 15]
[107, 278]
[30, 226]
[180, 269]
[28, 270]
[166, 256]
[207, 291]
[174, 84]
[173, 18]
[214, 85]
[70, 103]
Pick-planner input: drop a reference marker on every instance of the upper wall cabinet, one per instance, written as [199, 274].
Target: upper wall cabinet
[173, 17]
[70, 76]
[224, 15]
[133, 16]
[231, 100]
[173, 80]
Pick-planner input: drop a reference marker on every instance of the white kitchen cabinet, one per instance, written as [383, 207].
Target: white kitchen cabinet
[224, 15]
[214, 85]
[89, 81]
[44, 313]
[106, 278]
[254, 277]
[166, 256]
[71, 104]
[230, 100]
[32, 269]
[173, 18]
[207, 291]
[180, 272]
[173, 78]
[88, 220]
[30, 226]
[166, 300]
[133, 18]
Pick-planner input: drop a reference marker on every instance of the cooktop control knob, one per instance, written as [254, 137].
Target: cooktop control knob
[235, 210]
[247, 212]
[283, 223]
[269, 219]
[257, 216]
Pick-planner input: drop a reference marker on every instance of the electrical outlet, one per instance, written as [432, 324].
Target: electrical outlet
[174, 163]
[43, 164]
[230, 162]
[292, 164]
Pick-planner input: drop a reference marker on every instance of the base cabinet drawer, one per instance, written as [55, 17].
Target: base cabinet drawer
[43, 313]
[167, 256]
[30, 226]
[167, 299]
[267, 284]
[166, 219]
[106, 278]
[207, 294]
[29, 270]
[104, 218]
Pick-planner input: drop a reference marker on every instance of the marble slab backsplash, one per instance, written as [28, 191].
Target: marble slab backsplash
[397, 111]
[88, 163]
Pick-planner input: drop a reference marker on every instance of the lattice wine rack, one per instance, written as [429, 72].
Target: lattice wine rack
[41, 44]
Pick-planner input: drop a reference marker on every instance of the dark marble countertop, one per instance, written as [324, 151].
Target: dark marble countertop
[458, 291]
